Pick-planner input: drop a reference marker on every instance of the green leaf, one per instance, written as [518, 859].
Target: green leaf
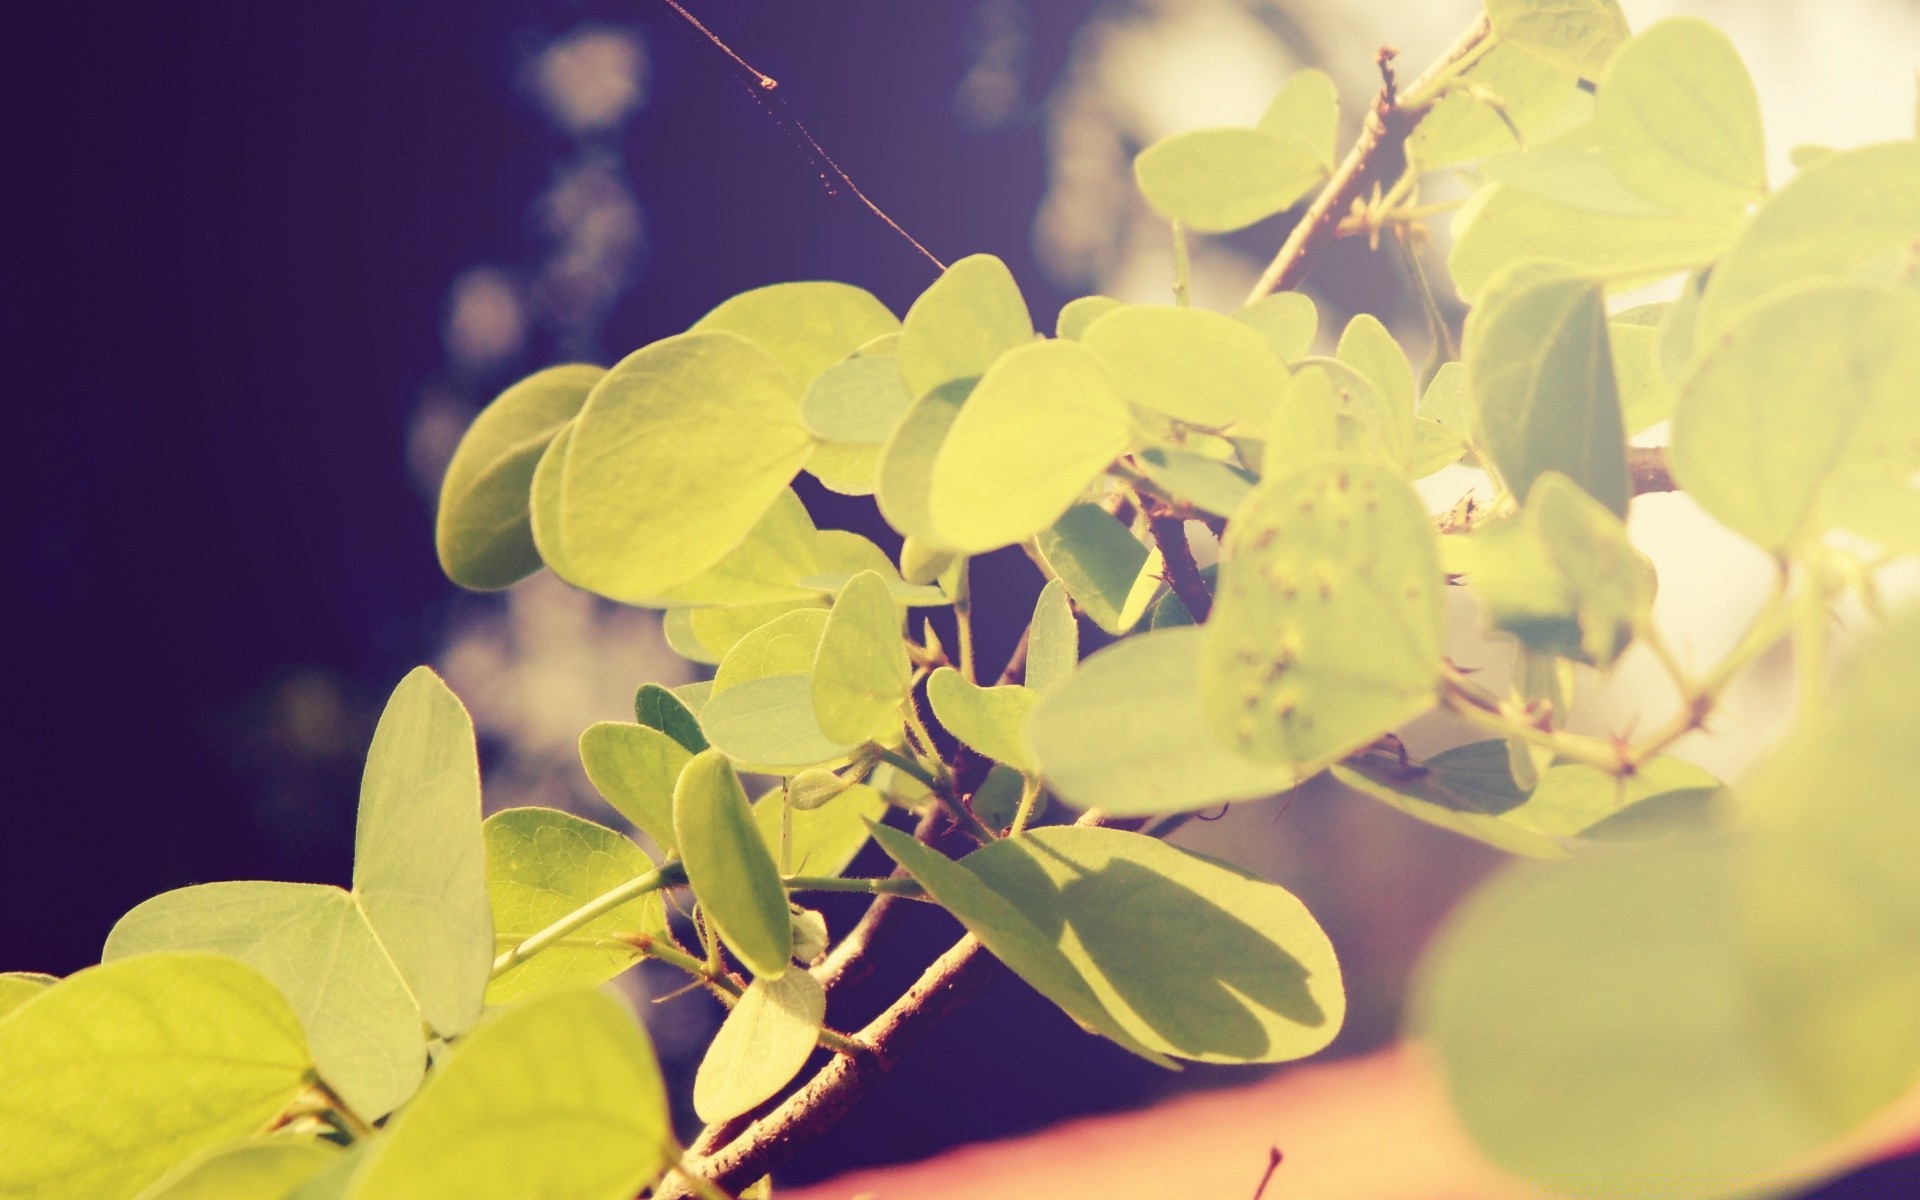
[1813, 384]
[679, 452]
[1520, 587]
[858, 401]
[1883, 511]
[1326, 628]
[769, 726]
[806, 327]
[543, 501]
[634, 767]
[905, 482]
[1126, 733]
[1076, 315]
[559, 1098]
[728, 865]
[484, 531]
[1041, 426]
[761, 1045]
[1611, 583]
[997, 800]
[1218, 180]
[1502, 225]
[1462, 125]
[1190, 364]
[1053, 639]
[1287, 320]
[860, 671]
[1009, 936]
[779, 551]
[1317, 416]
[1368, 348]
[268, 1169]
[657, 708]
[958, 327]
[785, 645]
[1596, 1028]
[1448, 400]
[1470, 790]
[1306, 111]
[719, 630]
[1843, 215]
[314, 944]
[1537, 354]
[676, 625]
[1574, 35]
[1647, 396]
[825, 839]
[1103, 565]
[116, 1074]
[1831, 899]
[1679, 121]
[1194, 958]
[1577, 176]
[845, 468]
[419, 868]
[1202, 482]
[543, 864]
[18, 987]
[992, 720]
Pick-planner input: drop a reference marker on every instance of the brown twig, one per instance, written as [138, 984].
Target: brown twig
[1169, 530]
[1647, 467]
[1382, 136]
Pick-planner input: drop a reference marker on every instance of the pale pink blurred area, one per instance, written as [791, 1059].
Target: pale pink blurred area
[1376, 1127]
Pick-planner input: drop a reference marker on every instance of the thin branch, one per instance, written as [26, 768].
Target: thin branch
[1647, 466]
[1169, 531]
[1382, 136]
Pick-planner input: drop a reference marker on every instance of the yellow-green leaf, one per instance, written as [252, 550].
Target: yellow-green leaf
[761, 1045]
[560, 1098]
[1190, 364]
[1043, 423]
[1678, 119]
[992, 720]
[769, 726]
[1219, 180]
[729, 867]
[968, 318]
[1306, 110]
[1106, 569]
[806, 327]
[1053, 639]
[484, 531]
[419, 868]
[543, 864]
[116, 1074]
[634, 767]
[785, 645]
[1575, 35]
[268, 1169]
[860, 670]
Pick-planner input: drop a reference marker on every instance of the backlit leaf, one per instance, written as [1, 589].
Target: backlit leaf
[1287, 320]
[1076, 315]
[1102, 744]
[1306, 111]
[1204, 483]
[419, 869]
[634, 767]
[1053, 640]
[18, 987]
[268, 1169]
[1574, 35]
[679, 452]
[729, 867]
[825, 839]
[1219, 180]
[906, 464]
[778, 552]
[1842, 215]
[1368, 348]
[785, 645]
[1043, 424]
[120, 1072]
[958, 327]
[1103, 565]
[1326, 627]
[559, 1098]
[858, 401]
[543, 864]
[769, 726]
[1194, 958]
[719, 630]
[1678, 118]
[860, 671]
[806, 327]
[992, 720]
[314, 944]
[1541, 368]
[1817, 382]
[1009, 935]
[1191, 364]
[1463, 125]
[761, 1045]
[483, 531]
[1647, 396]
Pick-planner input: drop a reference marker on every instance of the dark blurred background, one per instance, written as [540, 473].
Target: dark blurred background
[262, 263]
